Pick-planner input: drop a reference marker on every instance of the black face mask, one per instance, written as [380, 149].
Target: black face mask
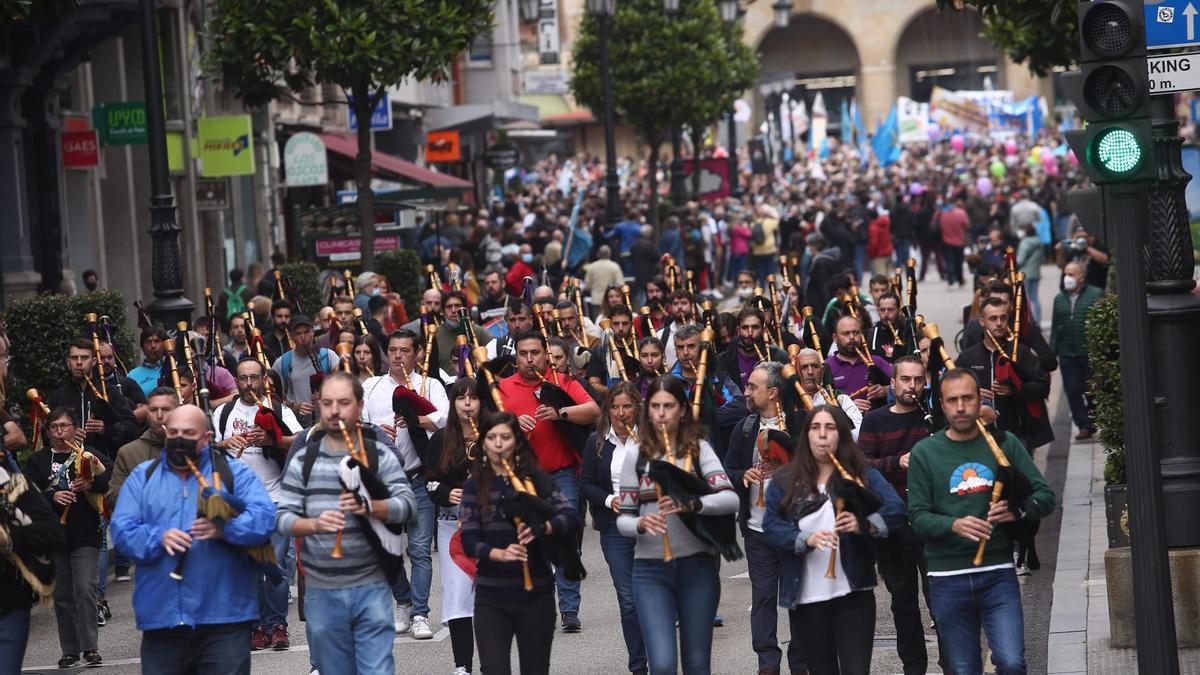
[179, 450]
[91, 285]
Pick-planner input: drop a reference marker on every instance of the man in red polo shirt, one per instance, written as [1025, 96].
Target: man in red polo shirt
[521, 394]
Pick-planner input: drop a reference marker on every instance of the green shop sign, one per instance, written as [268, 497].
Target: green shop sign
[120, 123]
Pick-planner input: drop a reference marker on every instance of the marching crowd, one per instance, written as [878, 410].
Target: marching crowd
[721, 391]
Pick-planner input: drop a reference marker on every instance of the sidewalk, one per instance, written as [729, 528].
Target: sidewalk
[1079, 632]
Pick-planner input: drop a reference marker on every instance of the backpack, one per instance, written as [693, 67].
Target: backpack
[758, 234]
[285, 367]
[234, 303]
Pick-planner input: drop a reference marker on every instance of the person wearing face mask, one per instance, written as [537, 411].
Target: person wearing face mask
[204, 618]
[76, 497]
[91, 280]
[445, 351]
[523, 267]
[1068, 339]
[743, 293]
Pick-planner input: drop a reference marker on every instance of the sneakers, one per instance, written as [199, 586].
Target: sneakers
[101, 620]
[718, 622]
[570, 622]
[402, 620]
[259, 639]
[461, 670]
[122, 574]
[279, 637]
[92, 658]
[68, 660]
[421, 629]
[1023, 571]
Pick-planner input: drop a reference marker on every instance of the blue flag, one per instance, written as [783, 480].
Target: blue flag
[887, 140]
[847, 124]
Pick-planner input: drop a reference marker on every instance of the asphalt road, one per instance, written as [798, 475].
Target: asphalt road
[599, 648]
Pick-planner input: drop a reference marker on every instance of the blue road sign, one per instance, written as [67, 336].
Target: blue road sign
[1172, 23]
[381, 117]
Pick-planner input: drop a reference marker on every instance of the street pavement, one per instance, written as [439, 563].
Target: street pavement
[599, 648]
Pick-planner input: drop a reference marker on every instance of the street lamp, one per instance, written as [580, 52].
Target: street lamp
[529, 10]
[783, 13]
[169, 306]
[730, 9]
[603, 11]
[671, 7]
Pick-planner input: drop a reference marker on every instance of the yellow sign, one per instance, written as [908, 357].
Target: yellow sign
[226, 146]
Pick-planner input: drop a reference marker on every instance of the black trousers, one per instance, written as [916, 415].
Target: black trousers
[762, 563]
[462, 641]
[530, 620]
[837, 635]
[902, 566]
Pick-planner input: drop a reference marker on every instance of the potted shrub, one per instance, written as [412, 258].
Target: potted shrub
[1104, 358]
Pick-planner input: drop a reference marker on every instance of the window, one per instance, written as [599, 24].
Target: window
[481, 48]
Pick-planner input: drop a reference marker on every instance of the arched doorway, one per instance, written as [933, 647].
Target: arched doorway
[812, 55]
[944, 48]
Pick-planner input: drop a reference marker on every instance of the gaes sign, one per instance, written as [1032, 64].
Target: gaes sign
[80, 149]
[226, 146]
[120, 123]
[442, 146]
[304, 160]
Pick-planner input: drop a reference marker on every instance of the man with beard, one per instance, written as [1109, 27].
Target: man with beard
[279, 341]
[749, 349]
[848, 369]
[343, 310]
[160, 403]
[887, 438]
[811, 370]
[107, 424]
[885, 340]
[602, 368]
[431, 308]
[239, 343]
[749, 471]
[297, 367]
[962, 595]
[201, 620]
[518, 318]
[494, 302]
[1031, 332]
[521, 394]
[681, 307]
[239, 435]
[404, 352]
[1017, 391]
[451, 328]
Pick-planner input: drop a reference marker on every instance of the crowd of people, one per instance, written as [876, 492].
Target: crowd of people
[719, 391]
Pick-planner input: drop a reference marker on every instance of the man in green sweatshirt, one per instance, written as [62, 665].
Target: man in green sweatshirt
[950, 479]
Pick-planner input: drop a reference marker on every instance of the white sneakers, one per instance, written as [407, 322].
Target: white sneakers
[402, 620]
[421, 629]
[461, 670]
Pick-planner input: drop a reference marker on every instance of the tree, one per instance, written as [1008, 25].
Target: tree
[1039, 33]
[268, 49]
[15, 11]
[665, 70]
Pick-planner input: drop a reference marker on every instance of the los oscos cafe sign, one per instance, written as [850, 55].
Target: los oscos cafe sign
[80, 149]
[304, 161]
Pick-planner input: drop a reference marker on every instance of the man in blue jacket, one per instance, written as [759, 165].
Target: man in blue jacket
[202, 621]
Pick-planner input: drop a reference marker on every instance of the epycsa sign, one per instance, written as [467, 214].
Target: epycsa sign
[80, 149]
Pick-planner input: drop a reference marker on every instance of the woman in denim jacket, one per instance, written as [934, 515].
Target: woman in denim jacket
[832, 617]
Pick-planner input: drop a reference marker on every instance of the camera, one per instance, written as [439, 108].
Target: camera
[1079, 245]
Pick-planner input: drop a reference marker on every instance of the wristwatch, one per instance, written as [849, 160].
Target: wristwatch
[562, 414]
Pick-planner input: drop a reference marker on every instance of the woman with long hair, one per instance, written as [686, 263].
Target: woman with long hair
[509, 554]
[452, 452]
[612, 298]
[685, 587]
[827, 570]
[604, 456]
[650, 358]
[367, 358]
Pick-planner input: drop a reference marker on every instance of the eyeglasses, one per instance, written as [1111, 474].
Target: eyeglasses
[249, 378]
[62, 426]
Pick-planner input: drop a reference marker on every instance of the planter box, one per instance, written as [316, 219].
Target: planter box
[1185, 593]
[1116, 515]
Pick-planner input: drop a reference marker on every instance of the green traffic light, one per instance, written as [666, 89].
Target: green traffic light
[1117, 151]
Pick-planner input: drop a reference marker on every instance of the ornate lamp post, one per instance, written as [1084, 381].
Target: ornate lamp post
[603, 11]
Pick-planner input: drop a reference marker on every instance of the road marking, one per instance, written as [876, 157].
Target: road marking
[406, 640]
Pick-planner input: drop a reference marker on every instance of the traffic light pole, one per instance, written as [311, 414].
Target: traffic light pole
[1154, 617]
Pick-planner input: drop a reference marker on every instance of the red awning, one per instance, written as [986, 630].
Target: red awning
[347, 146]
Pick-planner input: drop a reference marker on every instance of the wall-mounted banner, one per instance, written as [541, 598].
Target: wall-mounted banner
[305, 161]
[120, 122]
[80, 149]
[226, 146]
[381, 116]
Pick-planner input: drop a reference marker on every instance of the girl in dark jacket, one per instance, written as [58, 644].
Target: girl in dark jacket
[833, 616]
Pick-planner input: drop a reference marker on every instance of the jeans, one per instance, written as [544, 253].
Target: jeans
[102, 560]
[75, 591]
[420, 548]
[273, 596]
[737, 263]
[211, 649]
[965, 602]
[860, 262]
[618, 553]
[350, 630]
[902, 566]
[762, 563]
[567, 481]
[1031, 296]
[1075, 374]
[14, 635]
[954, 263]
[838, 634]
[687, 590]
[496, 623]
[903, 246]
[764, 265]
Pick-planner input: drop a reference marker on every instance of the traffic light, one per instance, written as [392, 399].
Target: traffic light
[1111, 90]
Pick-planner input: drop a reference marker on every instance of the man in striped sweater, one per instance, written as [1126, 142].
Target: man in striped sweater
[887, 437]
[347, 600]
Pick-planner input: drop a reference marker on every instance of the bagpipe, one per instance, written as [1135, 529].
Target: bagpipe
[38, 412]
[1010, 483]
[200, 393]
[35, 569]
[849, 493]
[212, 346]
[552, 394]
[93, 331]
[774, 452]
[221, 506]
[685, 487]
[83, 465]
[410, 406]
[359, 479]
[875, 374]
[624, 361]
[143, 319]
[523, 505]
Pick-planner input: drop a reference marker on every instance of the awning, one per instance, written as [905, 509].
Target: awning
[556, 110]
[481, 116]
[390, 165]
